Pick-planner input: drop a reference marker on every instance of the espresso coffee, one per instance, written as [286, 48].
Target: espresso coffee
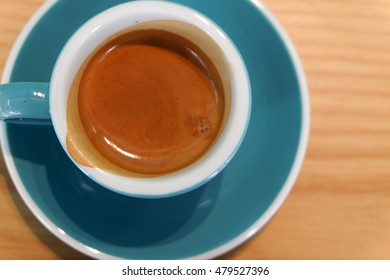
[150, 102]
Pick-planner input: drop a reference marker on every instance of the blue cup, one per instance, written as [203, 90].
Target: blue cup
[48, 103]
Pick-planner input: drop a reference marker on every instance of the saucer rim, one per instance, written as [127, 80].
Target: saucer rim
[222, 249]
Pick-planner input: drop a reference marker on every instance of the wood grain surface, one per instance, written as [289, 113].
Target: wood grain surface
[340, 205]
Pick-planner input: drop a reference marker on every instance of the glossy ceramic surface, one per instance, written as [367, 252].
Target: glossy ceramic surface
[203, 223]
[122, 17]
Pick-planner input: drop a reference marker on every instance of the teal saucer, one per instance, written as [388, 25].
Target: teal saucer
[204, 223]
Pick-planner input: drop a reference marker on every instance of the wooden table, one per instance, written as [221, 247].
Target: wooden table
[340, 205]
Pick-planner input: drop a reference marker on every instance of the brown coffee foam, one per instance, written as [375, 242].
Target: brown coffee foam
[84, 152]
[77, 141]
[206, 43]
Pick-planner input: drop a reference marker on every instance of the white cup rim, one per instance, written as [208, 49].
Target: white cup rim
[90, 35]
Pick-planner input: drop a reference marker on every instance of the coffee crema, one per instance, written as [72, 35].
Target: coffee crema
[150, 101]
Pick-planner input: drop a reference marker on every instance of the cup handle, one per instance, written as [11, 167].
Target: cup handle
[27, 101]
